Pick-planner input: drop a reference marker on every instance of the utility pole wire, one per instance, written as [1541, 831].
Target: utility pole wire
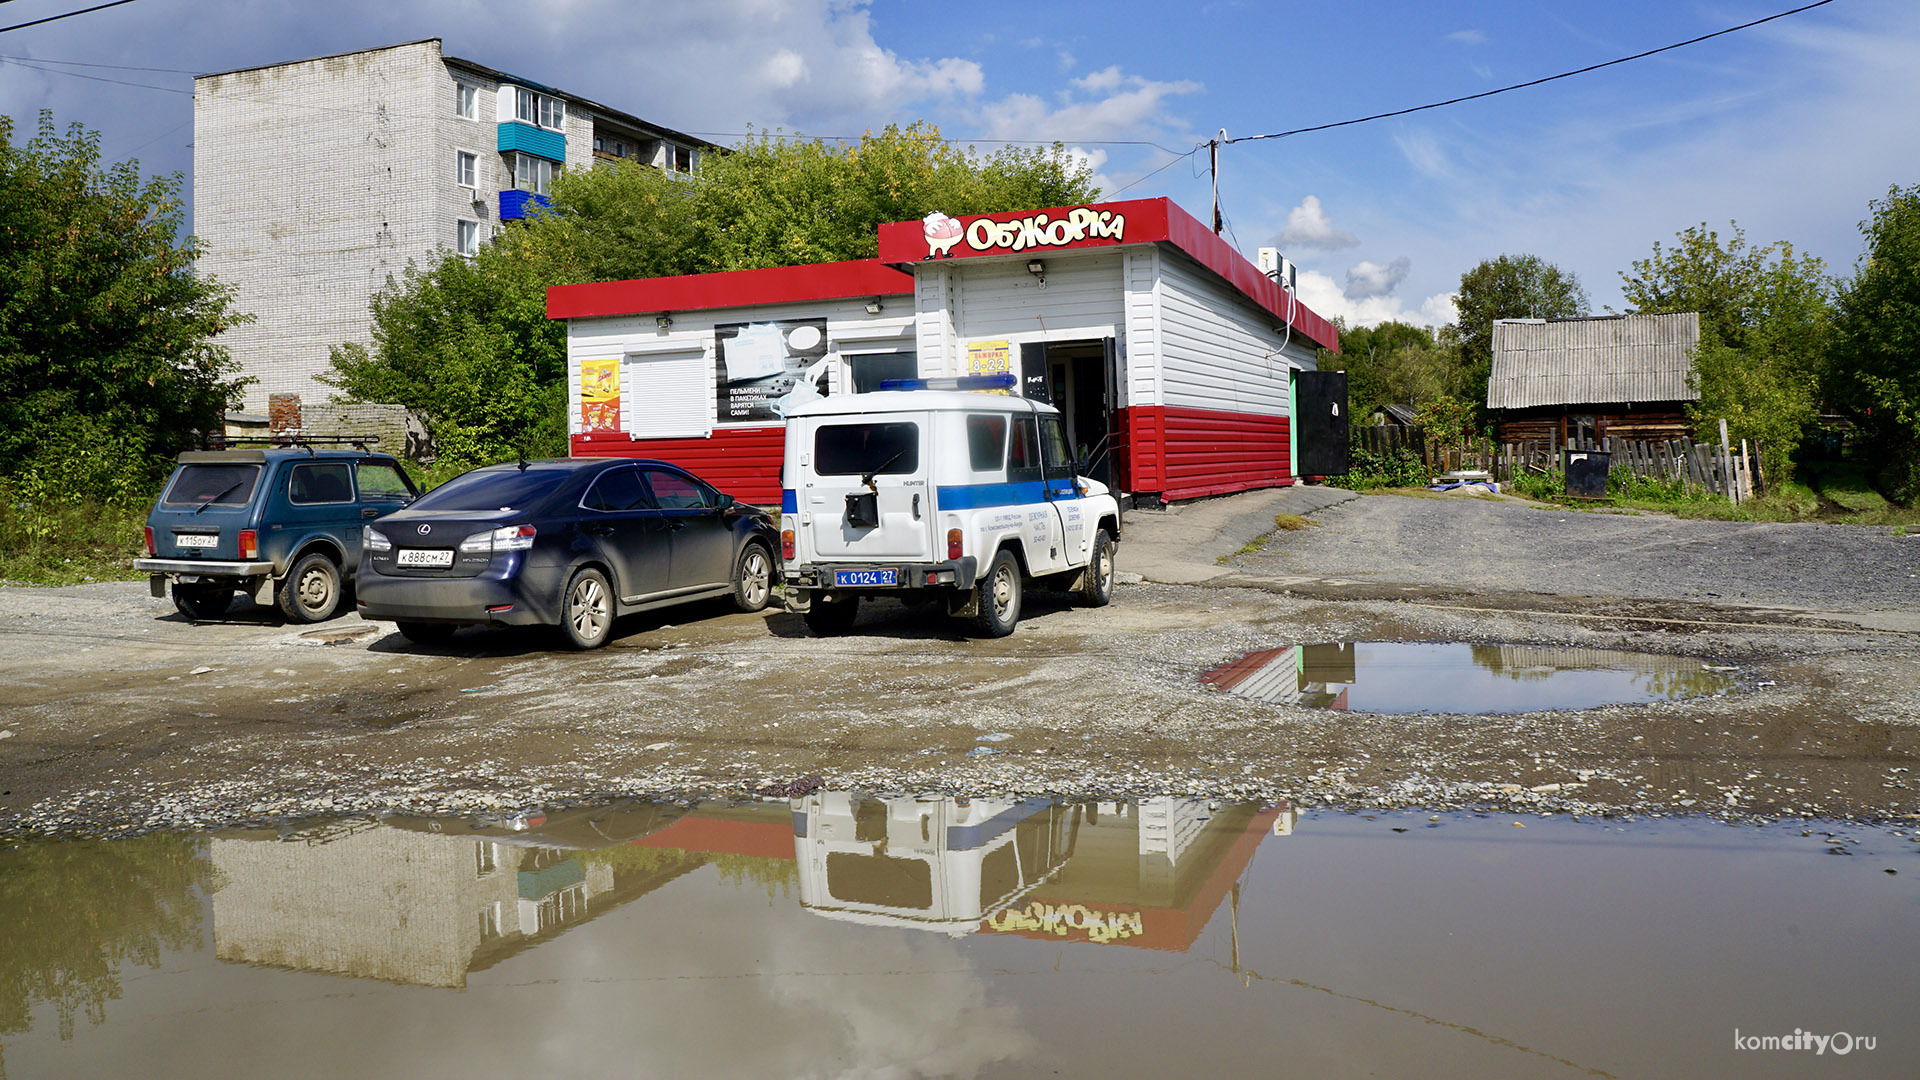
[1537, 82]
[68, 15]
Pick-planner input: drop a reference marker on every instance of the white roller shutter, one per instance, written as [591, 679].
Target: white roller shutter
[668, 395]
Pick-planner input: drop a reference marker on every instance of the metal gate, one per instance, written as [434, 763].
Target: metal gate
[1321, 422]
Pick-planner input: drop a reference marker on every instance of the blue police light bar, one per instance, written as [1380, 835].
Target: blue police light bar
[1003, 381]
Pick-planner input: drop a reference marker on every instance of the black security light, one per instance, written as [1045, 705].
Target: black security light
[664, 321]
[875, 307]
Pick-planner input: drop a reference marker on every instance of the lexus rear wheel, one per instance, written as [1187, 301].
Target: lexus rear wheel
[586, 611]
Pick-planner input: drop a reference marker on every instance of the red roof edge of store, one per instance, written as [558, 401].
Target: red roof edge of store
[729, 288]
[1159, 220]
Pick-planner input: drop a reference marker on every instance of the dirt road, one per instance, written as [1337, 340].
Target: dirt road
[119, 715]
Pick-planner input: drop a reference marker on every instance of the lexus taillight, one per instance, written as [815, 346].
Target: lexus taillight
[505, 538]
[786, 544]
[148, 531]
[953, 543]
[249, 544]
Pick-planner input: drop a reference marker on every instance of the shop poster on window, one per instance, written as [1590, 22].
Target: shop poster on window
[599, 395]
[990, 358]
[765, 368]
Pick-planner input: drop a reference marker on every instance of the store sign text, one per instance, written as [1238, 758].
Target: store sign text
[1040, 230]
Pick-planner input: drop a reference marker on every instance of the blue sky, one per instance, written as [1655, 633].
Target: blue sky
[1788, 129]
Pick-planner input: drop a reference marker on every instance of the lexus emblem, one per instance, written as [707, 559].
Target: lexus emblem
[425, 529]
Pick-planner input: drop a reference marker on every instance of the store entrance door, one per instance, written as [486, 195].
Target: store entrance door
[1081, 379]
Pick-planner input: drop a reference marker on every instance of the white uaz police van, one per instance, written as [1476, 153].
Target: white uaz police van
[923, 493]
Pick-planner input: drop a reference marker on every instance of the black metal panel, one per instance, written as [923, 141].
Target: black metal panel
[1033, 371]
[1321, 423]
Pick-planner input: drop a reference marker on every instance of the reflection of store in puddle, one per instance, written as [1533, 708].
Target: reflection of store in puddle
[1458, 677]
[1148, 874]
[409, 903]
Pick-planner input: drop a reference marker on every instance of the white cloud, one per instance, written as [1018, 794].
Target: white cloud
[1308, 226]
[1067, 60]
[1100, 105]
[1468, 37]
[1327, 298]
[1369, 279]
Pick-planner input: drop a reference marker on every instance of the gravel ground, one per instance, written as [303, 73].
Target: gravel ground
[121, 717]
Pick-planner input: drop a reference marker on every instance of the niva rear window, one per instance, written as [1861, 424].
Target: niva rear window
[485, 490]
[859, 449]
[216, 485]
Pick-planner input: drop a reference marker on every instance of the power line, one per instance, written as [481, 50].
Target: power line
[1155, 172]
[35, 66]
[83, 63]
[67, 15]
[1536, 82]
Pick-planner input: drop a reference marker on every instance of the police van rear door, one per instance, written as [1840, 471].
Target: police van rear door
[866, 489]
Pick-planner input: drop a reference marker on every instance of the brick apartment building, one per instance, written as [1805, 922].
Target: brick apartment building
[316, 180]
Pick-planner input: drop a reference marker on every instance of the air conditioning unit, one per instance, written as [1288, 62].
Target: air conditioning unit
[1279, 268]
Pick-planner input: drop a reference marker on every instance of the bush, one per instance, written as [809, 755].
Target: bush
[1368, 469]
[65, 542]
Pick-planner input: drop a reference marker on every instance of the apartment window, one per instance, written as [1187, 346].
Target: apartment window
[682, 159]
[534, 174]
[466, 101]
[464, 168]
[466, 239]
[599, 143]
[542, 110]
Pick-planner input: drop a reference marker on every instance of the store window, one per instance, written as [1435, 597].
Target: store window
[870, 369]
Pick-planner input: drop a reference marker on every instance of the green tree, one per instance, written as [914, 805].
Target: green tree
[107, 359]
[1875, 368]
[467, 344]
[1509, 287]
[1763, 332]
[1393, 363]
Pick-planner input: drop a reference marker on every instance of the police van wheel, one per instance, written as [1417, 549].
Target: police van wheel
[829, 617]
[1096, 585]
[999, 596]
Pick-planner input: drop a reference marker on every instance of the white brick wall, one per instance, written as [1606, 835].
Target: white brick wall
[314, 182]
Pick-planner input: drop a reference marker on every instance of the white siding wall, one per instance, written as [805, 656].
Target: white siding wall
[1141, 274]
[1219, 350]
[997, 298]
[934, 331]
[632, 337]
[305, 182]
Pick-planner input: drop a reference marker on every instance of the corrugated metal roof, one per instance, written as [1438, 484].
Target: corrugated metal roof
[1615, 358]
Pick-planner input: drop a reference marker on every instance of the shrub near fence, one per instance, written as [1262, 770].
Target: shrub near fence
[1394, 456]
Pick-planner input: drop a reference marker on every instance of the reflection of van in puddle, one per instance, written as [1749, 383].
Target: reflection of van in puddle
[932, 862]
[928, 494]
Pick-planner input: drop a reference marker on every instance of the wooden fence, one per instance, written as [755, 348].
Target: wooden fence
[1724, 469]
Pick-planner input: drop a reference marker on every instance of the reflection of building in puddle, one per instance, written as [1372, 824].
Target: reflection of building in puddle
[413, 906]
[1149, 874]
[928, 861]
[1417, 677]
[1311, 675]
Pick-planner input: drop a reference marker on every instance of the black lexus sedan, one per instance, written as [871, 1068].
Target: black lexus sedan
[572, 543]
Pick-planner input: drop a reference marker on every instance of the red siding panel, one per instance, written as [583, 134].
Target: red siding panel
[743, 462]
[1187, 453]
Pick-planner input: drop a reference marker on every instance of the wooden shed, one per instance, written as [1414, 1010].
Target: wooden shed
[1583, 380]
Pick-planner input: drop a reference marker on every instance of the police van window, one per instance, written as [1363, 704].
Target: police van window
[857, 449]
[987, 442]
[618, 489]
[1023, 451]
[1053, 444]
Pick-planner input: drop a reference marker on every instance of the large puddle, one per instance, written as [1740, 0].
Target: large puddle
[845, 936]
[1457, 677]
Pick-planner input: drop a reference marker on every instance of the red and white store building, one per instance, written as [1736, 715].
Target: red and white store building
[1159, 342]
